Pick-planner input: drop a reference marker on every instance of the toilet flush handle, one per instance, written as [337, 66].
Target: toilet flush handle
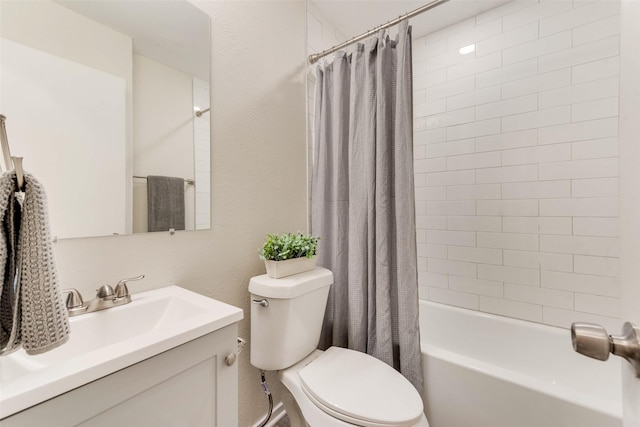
[261, 302]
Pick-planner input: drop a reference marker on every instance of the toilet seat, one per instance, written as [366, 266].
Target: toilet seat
[360, 389]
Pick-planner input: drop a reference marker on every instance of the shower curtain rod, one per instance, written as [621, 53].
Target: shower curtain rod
[315, 57]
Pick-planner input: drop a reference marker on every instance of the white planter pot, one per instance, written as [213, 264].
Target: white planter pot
[279, 269]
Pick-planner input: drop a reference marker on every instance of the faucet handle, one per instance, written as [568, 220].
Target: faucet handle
[73, 298]
[121, 288]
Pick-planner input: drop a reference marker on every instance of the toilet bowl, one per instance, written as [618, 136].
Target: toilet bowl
[329, 391]
[337, 387]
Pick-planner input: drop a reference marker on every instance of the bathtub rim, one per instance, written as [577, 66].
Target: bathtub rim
[609, 407]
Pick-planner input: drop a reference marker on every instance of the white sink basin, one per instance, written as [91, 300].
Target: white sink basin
[109, 340]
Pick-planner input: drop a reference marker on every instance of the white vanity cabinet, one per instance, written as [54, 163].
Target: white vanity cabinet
[158, 361]
[190, 385]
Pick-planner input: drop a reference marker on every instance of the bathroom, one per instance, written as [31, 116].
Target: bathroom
[259, 155]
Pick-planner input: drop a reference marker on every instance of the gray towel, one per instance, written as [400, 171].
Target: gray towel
[165, 203]
[32, 312]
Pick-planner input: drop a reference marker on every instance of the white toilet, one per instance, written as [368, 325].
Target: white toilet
[337, 387]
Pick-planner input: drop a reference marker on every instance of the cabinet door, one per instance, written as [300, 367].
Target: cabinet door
[187, 385]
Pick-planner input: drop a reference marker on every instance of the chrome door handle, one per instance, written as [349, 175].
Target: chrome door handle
[593, 341]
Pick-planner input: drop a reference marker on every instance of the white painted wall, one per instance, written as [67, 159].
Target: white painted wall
[52, 114]
[162, 133]
[52, 28]
[516, 162]
[258, 177]
[50, 82]
[629, 192]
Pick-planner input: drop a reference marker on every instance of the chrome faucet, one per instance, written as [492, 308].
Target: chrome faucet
[106, 297]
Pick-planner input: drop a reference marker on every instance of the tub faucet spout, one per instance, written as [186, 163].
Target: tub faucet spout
[593, 341]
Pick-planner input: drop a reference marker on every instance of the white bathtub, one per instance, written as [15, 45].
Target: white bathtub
[482, 370]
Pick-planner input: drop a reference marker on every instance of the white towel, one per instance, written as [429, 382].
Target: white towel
[32, 312]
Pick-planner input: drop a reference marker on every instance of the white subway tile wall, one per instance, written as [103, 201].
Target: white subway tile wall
[516, 162]
[202, 155]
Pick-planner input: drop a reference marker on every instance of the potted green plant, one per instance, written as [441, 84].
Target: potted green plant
[289, 253]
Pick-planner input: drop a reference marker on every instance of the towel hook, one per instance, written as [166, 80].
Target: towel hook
[17, 166]
[6, 153]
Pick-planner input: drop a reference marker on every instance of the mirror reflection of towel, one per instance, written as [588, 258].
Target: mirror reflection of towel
[165, 203]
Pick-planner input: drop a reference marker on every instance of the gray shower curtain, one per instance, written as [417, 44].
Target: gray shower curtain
[363, 204]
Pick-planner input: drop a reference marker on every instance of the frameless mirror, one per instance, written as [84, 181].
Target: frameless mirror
[100, 95]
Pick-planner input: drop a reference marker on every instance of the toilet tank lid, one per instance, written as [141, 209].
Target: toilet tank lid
[291, 286]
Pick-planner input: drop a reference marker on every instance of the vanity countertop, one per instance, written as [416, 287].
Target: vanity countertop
[106, 341]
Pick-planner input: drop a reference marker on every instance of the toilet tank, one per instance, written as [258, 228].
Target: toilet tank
[288, 328]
